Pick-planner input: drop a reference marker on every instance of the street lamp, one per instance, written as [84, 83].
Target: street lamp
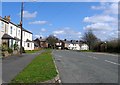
[105, 46]
[21, 28]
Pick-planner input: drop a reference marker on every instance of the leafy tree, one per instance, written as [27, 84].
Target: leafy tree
[90, 39]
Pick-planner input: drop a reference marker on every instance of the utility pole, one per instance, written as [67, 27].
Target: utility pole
[21, 28]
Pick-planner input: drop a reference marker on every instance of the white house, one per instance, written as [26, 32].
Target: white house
[11, 34]
[74, 45]
[84, 47]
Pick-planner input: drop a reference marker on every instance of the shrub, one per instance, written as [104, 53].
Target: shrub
[4, 46]
[10, 50]
[16, 46]
[23, 50]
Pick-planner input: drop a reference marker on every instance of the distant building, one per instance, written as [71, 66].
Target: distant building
[59, 44]
[10, 33]
[41, 43]
[83, 45]
[74, 45]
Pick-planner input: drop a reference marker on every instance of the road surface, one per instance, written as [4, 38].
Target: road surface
[86, 67]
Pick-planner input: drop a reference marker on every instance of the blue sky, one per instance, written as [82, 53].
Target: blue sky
[65, 20]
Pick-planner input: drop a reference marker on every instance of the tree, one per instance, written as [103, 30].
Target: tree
[52, 40]
[90, 39]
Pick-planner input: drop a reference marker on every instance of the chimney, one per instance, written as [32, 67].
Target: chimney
[65, 39]
[40, 37]
[8, 18]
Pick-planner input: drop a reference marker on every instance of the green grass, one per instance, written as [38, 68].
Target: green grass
[31, 51]
[40, 69]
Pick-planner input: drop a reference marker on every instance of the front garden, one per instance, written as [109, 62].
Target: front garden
[7, 51]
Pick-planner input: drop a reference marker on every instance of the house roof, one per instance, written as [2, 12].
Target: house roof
[42, 39]
[3, 19]
[28, 40]
[25, 29]
[16, 38]
[66, 41]
[6, 36]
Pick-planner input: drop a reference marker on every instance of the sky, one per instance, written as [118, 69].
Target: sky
[66, 20]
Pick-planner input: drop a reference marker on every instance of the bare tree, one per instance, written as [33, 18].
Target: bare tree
[52, 40]
[90, 39]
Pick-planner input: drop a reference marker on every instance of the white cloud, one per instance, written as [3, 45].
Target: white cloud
[112, 9]
[104, 24]
[98, 27]
[97, 7]
[59, 32]
[43, 29]
[38, 36]
[39, 22]
[108, 8]
[99, 18]
[27, 14]
[67, 33]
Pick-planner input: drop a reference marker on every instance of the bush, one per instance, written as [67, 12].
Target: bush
[4, 46]
[16, 46]
[23, 50]
[10, 50]
[112, 46]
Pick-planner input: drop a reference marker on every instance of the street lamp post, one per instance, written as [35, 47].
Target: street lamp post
[21, 28]
[105, 46]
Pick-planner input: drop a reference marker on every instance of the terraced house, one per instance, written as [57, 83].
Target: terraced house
[10, 34]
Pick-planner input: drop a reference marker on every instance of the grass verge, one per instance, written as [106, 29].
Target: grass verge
[42, 68]
[31, 51]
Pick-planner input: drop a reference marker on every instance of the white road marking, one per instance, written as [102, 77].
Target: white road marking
[107, 54]
[112, 62]
[93, 57]
[90, 56]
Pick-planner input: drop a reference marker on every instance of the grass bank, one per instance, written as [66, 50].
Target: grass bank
[42, 68]
[32, 51]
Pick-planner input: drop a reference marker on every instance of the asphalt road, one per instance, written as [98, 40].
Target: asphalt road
[86, 67]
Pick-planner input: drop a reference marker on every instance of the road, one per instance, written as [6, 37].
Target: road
[86, 67]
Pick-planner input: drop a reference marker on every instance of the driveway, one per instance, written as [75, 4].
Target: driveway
[11, 66]
[86, 67]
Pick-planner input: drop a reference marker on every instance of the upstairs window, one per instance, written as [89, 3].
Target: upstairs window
[11, 30]
[19, 32]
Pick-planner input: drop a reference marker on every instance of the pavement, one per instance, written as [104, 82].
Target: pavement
[12, 65]
[86, 67]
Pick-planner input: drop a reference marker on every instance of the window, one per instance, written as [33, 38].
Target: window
[2, 25]
[28, 45]
[11, 30]
[11, 43]
[19, 32]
